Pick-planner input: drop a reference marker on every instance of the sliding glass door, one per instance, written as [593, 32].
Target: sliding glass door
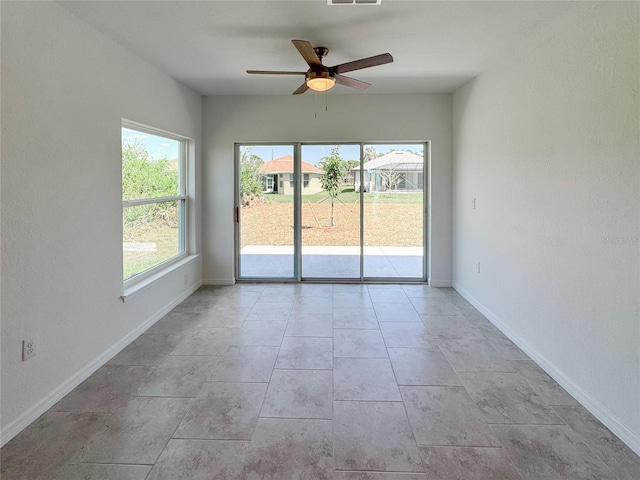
[345, 212]
[330, 212]
[394, 213]
[265, 211]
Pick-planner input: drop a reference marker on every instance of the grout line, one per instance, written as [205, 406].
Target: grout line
[127, 464]
[369, 401]
[161, 396]
[299, 418]
[492, 447]
[462, 446]
[384, 472]
[528, 424]
[289, 369]
[506, 451]
[238, 440]
[483, 371]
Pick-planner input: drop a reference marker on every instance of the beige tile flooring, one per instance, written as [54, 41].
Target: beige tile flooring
[310, 381]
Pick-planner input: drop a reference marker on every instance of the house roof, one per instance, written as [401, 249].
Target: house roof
[285, 165]
[395, 160]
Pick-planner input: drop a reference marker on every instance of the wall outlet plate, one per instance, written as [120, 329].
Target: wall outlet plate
[28, 349]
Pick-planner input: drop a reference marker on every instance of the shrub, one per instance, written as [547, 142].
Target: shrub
[145, 177]
[250, 177]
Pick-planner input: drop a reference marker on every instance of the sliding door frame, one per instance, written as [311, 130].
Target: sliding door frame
[426, 224]
[297, 216]
[237, 216]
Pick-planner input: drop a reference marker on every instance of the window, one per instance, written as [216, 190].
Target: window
[153, 199]
[306, 180]
[291, 180]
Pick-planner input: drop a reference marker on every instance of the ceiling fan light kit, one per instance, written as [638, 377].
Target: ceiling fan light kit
[321, 78]
[320, 81]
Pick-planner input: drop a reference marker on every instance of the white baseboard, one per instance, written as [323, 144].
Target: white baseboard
[219, 281]
[30, 415]
[440, 283]
[602, 413]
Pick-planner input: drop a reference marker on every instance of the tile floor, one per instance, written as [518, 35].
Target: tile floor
[342, 382]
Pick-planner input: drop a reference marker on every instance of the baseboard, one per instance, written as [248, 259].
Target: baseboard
[602, 413]
[219, 281]
[30, 415]
[440, 283]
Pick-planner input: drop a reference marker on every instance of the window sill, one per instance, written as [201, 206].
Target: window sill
[134, 290]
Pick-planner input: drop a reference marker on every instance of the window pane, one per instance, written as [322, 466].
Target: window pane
[330, 212]
[151, 235]
[393, 210]
[266, 211]
[150, 165]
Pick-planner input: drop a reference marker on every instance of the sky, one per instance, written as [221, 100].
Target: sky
[158, 147]
[314, 153]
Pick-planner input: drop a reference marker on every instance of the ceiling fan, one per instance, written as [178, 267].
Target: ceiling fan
[321, 78]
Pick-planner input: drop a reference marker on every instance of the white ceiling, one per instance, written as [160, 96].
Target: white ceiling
[208, 45]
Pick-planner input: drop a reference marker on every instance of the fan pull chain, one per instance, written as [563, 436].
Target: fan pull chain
[315, 103]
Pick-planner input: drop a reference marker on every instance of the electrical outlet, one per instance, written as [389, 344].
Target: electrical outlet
[28, 349]
[477, 266]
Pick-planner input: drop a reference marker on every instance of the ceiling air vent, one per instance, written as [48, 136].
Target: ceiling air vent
[354, 2]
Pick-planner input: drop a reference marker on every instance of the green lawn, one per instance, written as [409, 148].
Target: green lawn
[349, 196]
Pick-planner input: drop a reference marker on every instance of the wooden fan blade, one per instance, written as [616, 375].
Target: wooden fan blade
[362, 63]
[274, 72]
[351, 82]
[301, 89]
[307, 52]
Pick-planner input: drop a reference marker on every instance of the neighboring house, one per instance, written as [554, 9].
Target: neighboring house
[278, 176]
[394, 171]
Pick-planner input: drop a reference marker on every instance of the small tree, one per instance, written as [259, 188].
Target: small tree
[250, 175]
[331, 180]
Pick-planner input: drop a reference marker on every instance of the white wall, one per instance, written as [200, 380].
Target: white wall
[65, 89]
[388, 118]
[548, 143]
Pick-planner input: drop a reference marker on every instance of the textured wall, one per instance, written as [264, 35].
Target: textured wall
[65, 89]
[382, 118]
[548, 144]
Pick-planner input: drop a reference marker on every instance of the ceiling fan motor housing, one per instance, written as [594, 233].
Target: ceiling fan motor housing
[321, 52]
[313, 73]
[319, 71]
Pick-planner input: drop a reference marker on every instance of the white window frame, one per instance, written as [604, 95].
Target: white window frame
[181, 198]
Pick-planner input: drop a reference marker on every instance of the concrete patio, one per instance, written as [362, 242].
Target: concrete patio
[331, 262]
